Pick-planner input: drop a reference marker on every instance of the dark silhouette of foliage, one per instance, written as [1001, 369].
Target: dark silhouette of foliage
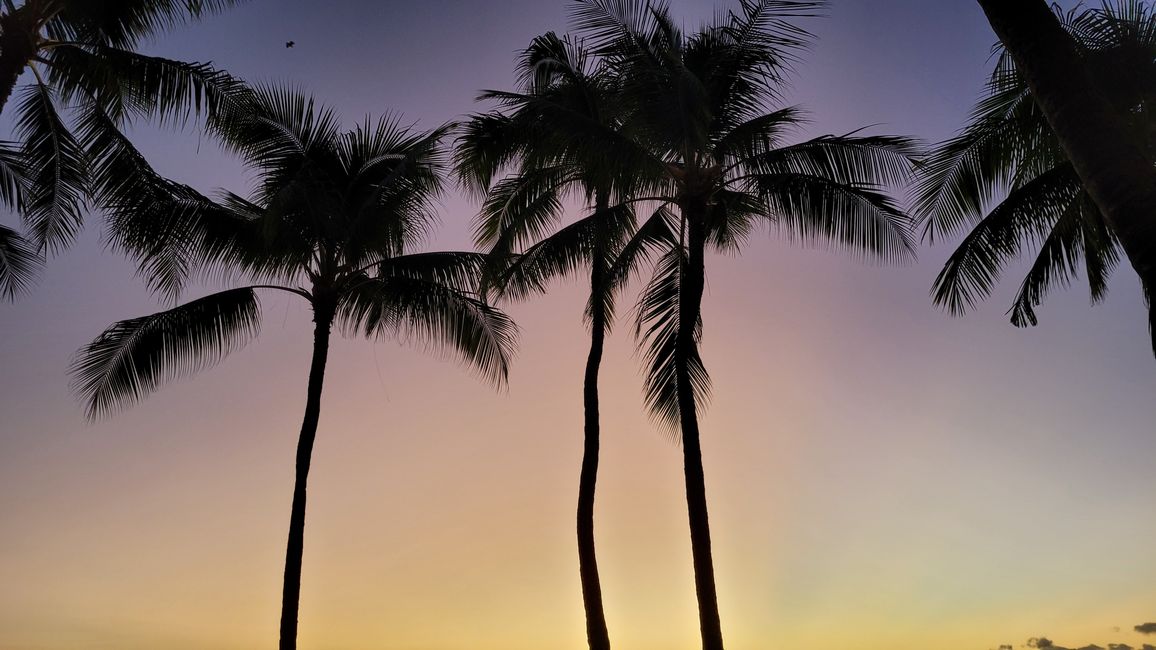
[695, 108]
[540, 139]
[1008, 149]
[86, 84]
[334, 220]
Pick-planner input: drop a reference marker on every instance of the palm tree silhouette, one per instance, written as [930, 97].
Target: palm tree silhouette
[333, 221]
[1009, 147]
[543, 137]
[80, 54]
[695, 107]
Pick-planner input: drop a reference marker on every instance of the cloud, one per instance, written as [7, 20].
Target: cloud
[1146, 628]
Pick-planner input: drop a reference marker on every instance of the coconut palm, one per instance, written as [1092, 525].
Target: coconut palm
[1010, 150]
[534, 138]
[696, 106]
[86, 81]
[334, 220]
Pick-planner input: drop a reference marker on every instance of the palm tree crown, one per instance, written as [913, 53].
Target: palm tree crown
[695, 106]
[538, 139]
[334, 220]
[1009, 150]
[86, 83]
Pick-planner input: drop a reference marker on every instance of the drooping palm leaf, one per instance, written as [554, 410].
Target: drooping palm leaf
[565, 252]
[817, 211]
[1024, 217]
[55, 166]
[657, 325]
[520, 209]
[19, 263]
[1007, 151]
[424, 312]
[1079, 232]
[133, 357]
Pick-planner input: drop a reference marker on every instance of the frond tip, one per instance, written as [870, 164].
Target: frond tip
[132, 358]
[19, 263]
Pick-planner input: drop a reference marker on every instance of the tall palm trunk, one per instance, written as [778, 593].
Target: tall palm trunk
[597, 636]
[291, 594]
[690, 305]
[1116, 173]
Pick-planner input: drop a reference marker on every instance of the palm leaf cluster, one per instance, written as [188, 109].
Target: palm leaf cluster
[697, 106]
[335, 217]
[631, 116]
[85, 85]
[1005, 180]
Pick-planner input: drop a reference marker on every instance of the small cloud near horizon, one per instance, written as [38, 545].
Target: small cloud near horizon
[1146, 628]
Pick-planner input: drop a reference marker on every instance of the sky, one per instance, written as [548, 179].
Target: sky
[880, 475]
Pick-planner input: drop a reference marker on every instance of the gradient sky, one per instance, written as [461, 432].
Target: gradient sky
[880, 475]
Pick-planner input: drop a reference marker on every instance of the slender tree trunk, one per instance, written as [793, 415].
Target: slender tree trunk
[690, 305]
[291, 594]
[17, 47]
[597, 636]
[1116, 173]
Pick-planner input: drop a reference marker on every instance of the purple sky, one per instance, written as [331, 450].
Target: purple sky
[880, 475]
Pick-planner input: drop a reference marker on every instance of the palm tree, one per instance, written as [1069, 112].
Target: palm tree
[333, 221]
[696, 106]
[80, 55]
[1009, 146]
[1117, 174]
[540, 138]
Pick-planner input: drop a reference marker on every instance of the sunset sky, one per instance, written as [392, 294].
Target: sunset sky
[880, 476]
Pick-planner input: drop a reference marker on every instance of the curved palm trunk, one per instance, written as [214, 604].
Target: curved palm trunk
[291, 593]
[690, 304]
[597, 636]
[1116, 173]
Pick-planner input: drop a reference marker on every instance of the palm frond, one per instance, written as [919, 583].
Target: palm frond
[281, 131]
[127, 83]
[745, 57]
[564, 252]
[133, 357]
[551, 58]
[13, 183]
[19, 263]
[1079, 232]
[1025, 216]
[758, 135]
[395, 176]
[123, 23]
[731, 218]
[819, 211]
[963, 175]
[487, 145]
[520, 209]
[457, 270]
[56, 170]
[653, 238]
[880, 160]
[657, 326]
[620, 27]
[441, 317]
